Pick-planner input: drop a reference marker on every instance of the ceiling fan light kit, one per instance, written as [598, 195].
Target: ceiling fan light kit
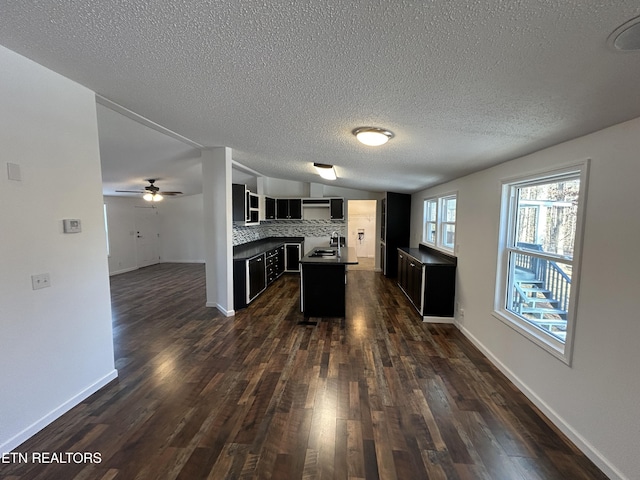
[151, 192]
[152, 197]
[373, 136]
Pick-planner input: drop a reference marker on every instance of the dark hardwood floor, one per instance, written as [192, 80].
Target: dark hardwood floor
[259, 395]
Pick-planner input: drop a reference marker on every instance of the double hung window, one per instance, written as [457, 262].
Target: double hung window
[538, 261]
[439, 226]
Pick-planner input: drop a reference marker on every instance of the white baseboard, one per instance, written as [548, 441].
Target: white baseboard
[164, 260]
[226, 313]
[449, 320]
[124, 270]
[582, 443]
[35, 427]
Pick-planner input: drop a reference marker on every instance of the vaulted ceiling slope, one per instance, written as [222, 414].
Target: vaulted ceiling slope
[462, 84]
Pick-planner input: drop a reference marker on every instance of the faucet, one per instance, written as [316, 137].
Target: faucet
[337, 235]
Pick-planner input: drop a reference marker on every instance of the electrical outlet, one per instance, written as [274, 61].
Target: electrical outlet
[40, 281]
[461, 313]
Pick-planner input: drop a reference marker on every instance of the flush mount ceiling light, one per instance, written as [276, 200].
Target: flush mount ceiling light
[373, 136]
[325, 171]
[626, 37]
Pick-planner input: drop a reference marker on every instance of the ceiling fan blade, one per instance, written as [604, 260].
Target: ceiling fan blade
[130, 191]
[169, 193]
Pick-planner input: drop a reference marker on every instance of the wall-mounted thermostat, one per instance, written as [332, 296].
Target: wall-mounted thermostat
[71, 225]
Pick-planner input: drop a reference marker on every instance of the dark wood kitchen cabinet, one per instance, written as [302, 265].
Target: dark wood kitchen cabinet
[257, 276]
[292, 254]
[269, 208]
[256, 265]
[245, 205]
[274, 264]
[289, 208]
[337, 209]
[428, 279]
[395, 230]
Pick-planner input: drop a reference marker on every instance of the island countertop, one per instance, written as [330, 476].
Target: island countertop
[347, 257]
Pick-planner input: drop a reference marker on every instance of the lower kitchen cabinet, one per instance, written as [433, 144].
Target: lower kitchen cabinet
[256, 265]
[256, 276]
[428, 279]
[274, 264]
[293, 254]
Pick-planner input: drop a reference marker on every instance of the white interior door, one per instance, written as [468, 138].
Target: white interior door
[147, 236]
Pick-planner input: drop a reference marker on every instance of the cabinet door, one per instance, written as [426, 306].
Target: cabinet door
[295, 209]
[239, 199]
[416, 284]
[270, 208]
[292, 254]
[282, 208]
[257, 276]
[337, 208]
[280, 261]
[402, 270]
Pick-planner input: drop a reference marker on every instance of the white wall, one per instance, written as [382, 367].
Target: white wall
[182, 229]
[181, 226]
[595, 401]
[56, 343]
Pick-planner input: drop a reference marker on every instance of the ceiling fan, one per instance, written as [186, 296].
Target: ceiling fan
[151, 192]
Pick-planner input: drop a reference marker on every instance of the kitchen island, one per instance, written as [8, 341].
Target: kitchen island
[323, 278]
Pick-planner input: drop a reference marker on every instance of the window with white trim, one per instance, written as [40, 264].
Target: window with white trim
[106, 228]
[538, 258]
[439, 225]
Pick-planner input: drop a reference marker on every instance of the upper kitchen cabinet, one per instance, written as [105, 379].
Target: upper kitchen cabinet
[246, 205]
[337, 209]
[269, 208]
[395, 230]
[289, 208]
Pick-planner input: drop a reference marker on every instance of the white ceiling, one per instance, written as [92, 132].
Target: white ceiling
[463, 84]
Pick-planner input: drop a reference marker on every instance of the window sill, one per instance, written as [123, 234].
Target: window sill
[535, 335]
[440, 249]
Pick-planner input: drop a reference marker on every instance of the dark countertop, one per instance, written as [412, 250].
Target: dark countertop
[251, 249]
[426, 257]
[347, 257]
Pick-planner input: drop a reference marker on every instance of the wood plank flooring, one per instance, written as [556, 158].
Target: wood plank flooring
[378, 395]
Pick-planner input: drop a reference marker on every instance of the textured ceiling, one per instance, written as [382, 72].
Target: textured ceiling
[462, 84]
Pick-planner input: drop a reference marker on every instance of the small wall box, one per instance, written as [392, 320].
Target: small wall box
[71, 225]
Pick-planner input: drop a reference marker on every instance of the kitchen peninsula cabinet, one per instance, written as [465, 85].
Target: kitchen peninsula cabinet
[428, 279]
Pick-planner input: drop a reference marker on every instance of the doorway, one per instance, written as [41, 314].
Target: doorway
[147, 236]
[361, 228]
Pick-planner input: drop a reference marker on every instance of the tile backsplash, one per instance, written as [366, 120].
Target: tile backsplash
[287, 228]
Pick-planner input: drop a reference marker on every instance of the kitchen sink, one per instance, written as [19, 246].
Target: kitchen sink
[323, 253]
